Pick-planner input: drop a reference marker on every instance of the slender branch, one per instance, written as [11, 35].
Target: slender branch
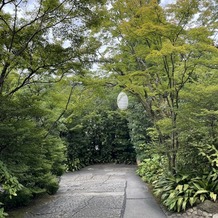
[63, 112]
[7, 24]
[25, 81]
[5, 3]
[13, 29]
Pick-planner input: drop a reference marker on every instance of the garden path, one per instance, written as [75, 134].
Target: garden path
[98, 191]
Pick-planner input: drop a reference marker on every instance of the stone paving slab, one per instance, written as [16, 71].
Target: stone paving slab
[136, 208]
[93, 194]
[99, 191]
[108, 213]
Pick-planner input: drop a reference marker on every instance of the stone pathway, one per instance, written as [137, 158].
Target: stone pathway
[98, 191]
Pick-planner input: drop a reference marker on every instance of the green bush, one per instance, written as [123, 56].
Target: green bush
[181, 192]
[99, 137]
[23, 197]
[208, 185]
[175, 192]
[74, 164]
[2, 212]
[52, 186]
[151, 168]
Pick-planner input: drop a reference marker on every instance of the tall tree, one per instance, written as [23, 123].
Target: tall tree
[159, 51]
[41, 41]
[44, 40]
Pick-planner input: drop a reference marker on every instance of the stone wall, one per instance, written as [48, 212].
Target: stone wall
[207, 209]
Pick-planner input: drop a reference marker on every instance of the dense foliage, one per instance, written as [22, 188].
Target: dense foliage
[166, 57]
[99, 137]
[34, 159]
[40, 43]
[57, 114]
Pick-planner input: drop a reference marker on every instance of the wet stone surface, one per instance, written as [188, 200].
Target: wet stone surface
[99, 191]
[93, 192]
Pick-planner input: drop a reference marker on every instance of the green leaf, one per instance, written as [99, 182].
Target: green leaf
[213, 196]
[179, 204]
[179, 187]
[202, 198]
[197, 186]
[172, 205]
[186, 186]
[184, 203]
[172, 195]
[192, 200]
[184, 177]
[202, 191]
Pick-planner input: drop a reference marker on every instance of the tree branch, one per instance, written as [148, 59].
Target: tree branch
[64, 111]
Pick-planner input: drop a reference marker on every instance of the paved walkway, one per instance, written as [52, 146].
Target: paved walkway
[99, 191]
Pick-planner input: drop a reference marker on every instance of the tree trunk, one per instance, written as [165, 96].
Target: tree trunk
[3, 75]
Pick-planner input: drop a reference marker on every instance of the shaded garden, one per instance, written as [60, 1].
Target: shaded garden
[62, 66]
